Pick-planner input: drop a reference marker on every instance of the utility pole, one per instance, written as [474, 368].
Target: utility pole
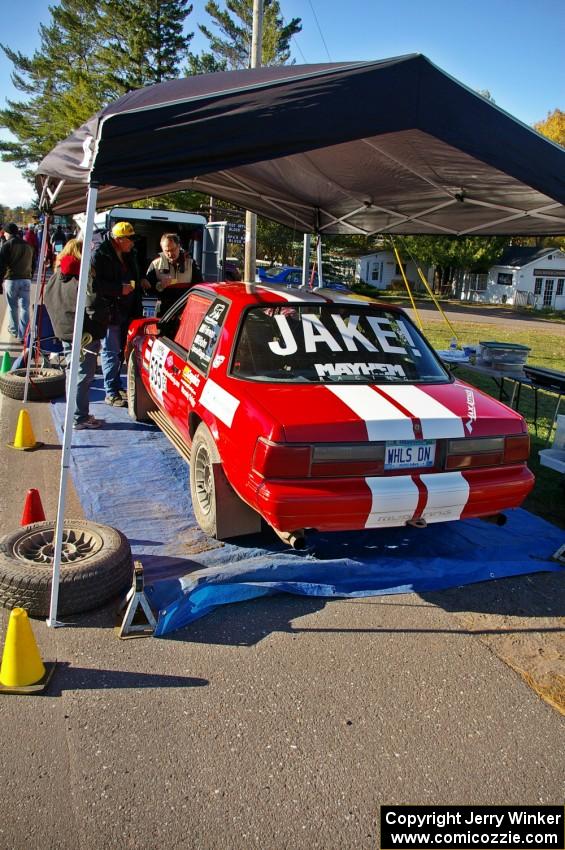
[251, 218]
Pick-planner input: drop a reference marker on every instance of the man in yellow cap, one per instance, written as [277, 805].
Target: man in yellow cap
[116, 279]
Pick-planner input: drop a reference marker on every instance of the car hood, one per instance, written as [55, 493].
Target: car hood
[360, 412]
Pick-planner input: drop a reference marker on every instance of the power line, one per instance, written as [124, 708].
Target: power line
[320, 30]
[299, 50]
[296, 44]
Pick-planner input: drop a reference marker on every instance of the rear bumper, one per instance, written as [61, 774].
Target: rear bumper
[356, 503]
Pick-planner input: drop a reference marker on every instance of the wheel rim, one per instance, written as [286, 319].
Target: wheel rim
[77, 545]
[203, 480]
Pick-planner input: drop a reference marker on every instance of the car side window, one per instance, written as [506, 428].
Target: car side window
[191, 318]
[207, 335]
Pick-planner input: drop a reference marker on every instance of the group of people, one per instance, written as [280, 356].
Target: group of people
[113, 299]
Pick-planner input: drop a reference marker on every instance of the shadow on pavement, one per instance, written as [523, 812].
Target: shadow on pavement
[66, 677]
[537, 595]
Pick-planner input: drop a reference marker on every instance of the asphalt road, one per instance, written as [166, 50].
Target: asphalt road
[500, 316]
[282, 723]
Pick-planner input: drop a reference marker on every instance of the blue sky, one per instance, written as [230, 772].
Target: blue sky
[515, 49]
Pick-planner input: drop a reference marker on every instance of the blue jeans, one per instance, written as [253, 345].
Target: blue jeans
[17, 298]
[86, 373]
[111, 360]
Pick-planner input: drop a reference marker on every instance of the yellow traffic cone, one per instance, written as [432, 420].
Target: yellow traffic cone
[24, 439]
[22, 670]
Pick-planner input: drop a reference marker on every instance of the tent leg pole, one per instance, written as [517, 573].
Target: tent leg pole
[306, 260]
[71, 398]
[319, 261]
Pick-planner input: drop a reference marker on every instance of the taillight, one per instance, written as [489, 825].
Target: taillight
[281, 460]
[320, 460]
[487, 451]
[469, 454]
[517, 448]
[145, 326]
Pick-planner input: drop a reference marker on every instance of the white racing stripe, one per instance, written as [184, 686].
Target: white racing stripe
[448, 493]
[219, 402]
[438, 421]
[383, 420]
[394, 501]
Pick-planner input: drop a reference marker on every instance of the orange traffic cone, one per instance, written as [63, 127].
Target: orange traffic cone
[22, 670]
[33, 509]
[24, 439]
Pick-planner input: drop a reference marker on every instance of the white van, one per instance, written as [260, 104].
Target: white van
[205, 243]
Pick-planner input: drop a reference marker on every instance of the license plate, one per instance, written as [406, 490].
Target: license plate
[405, 455]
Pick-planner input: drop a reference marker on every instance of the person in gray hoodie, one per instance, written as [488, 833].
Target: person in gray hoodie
[16, 258]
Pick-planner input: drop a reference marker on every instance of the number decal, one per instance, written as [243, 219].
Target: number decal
[157, 377]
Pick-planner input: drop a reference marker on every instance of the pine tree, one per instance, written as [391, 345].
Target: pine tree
[232, 48]
[61, 80]
[143, 41]
[91, 52]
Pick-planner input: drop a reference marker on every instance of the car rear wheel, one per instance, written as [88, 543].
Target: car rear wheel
[203, 456]
[139, 401]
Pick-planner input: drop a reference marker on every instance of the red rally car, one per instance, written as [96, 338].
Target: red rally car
[318, 410]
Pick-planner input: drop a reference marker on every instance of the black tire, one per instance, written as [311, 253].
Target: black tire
[139, 400]
[203, 455]
[96, 565]
[44, 383]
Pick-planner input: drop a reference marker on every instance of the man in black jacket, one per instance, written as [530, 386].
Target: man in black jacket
[116, 280]
[16, 258]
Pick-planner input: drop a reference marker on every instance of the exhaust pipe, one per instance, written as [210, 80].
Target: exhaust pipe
[496, 519]
[296, 539]
[417, 523]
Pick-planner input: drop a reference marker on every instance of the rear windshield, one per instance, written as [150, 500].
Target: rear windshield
[327, 343]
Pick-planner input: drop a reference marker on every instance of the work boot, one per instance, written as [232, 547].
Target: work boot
[116, 401]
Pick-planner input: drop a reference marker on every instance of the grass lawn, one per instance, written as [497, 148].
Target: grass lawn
[547, 499]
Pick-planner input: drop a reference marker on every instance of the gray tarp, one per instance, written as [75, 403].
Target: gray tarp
[393, 146]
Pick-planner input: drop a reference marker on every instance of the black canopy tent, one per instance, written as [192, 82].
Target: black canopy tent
[395, 146]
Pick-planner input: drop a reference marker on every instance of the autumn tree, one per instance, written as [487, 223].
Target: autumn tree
[553, 126]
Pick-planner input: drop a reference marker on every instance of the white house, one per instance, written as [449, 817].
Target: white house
[381, 270]
[534, 276]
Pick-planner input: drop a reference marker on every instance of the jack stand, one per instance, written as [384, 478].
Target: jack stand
[134, 599]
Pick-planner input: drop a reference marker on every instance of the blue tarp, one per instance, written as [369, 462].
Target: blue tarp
[128, 475]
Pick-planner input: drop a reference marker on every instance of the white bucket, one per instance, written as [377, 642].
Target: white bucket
[559, 438]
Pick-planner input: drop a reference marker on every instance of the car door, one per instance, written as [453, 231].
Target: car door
[169, 379]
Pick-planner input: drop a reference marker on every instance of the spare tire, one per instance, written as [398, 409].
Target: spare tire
[44, 383]
[96, 565]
